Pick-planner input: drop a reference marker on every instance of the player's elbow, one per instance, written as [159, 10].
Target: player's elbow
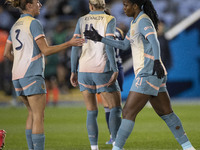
[124, 47]
[46, 51]
[6, 54]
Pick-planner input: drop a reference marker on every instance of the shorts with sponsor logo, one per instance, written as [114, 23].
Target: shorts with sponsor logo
[30, 86]
[149, 85]
[96, 82]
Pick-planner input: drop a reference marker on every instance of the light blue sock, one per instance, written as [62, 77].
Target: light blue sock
[38, 141]
[107, 115]
[115, 121]
[123, 133]
[29, 139]
[116, 148]
[175, 125]
[92, 127]
[186, 145]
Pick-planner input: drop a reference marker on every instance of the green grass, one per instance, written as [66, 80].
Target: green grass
[65, 129]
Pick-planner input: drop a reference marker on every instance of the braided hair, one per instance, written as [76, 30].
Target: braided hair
[148, 8]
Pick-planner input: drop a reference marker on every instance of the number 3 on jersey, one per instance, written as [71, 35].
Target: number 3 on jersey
[17, 38]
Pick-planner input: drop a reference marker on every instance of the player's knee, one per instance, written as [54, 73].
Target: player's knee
[30, 114]
[126, 114]
[38, 117]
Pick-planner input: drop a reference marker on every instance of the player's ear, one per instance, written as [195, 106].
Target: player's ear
[91, 7]
[29, 6]
[135, 6]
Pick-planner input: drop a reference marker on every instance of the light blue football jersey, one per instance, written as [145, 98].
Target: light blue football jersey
[28, 59]
[94, 55]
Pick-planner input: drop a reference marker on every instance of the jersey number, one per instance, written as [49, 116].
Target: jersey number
[90, 28]
[17, 38]
[86, 27]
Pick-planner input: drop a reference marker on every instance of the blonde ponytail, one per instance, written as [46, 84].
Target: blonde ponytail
[98, 4]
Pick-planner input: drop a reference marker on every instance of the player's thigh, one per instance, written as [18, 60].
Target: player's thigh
[161, 103]
[134, 104]
[113, 99]
[104, 102]
[37, 103]
[25, 101]
[90, 100]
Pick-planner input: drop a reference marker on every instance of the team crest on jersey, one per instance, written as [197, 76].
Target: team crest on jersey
[43, 87]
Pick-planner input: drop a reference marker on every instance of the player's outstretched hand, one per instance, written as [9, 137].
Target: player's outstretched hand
[76, 41]
[113, 79]
[158, 69]
[74, 79]
[92, 35]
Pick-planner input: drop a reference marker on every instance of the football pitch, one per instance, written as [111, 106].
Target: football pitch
[65, 128]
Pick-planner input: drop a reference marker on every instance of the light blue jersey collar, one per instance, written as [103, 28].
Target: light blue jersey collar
[24, 15]
[138, 16]
[97, 12]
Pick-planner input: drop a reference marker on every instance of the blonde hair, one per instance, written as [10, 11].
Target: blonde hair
[98, 4]
[19, 3]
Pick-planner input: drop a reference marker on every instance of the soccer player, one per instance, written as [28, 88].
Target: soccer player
[150, 74]
[119, 35]
[97, 71]
[26, 46]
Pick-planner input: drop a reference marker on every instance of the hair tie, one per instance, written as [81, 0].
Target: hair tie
[142, 7]
[145, 1]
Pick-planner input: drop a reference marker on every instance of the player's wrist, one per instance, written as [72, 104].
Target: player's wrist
[100, 38]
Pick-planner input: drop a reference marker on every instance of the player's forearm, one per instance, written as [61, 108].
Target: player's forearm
[9, 56]
[49, 50]
[122, 45]
[111, 56]
[155, 46]
[8, 51]
[74, 59]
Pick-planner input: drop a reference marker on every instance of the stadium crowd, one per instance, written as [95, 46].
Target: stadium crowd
[59, 18]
